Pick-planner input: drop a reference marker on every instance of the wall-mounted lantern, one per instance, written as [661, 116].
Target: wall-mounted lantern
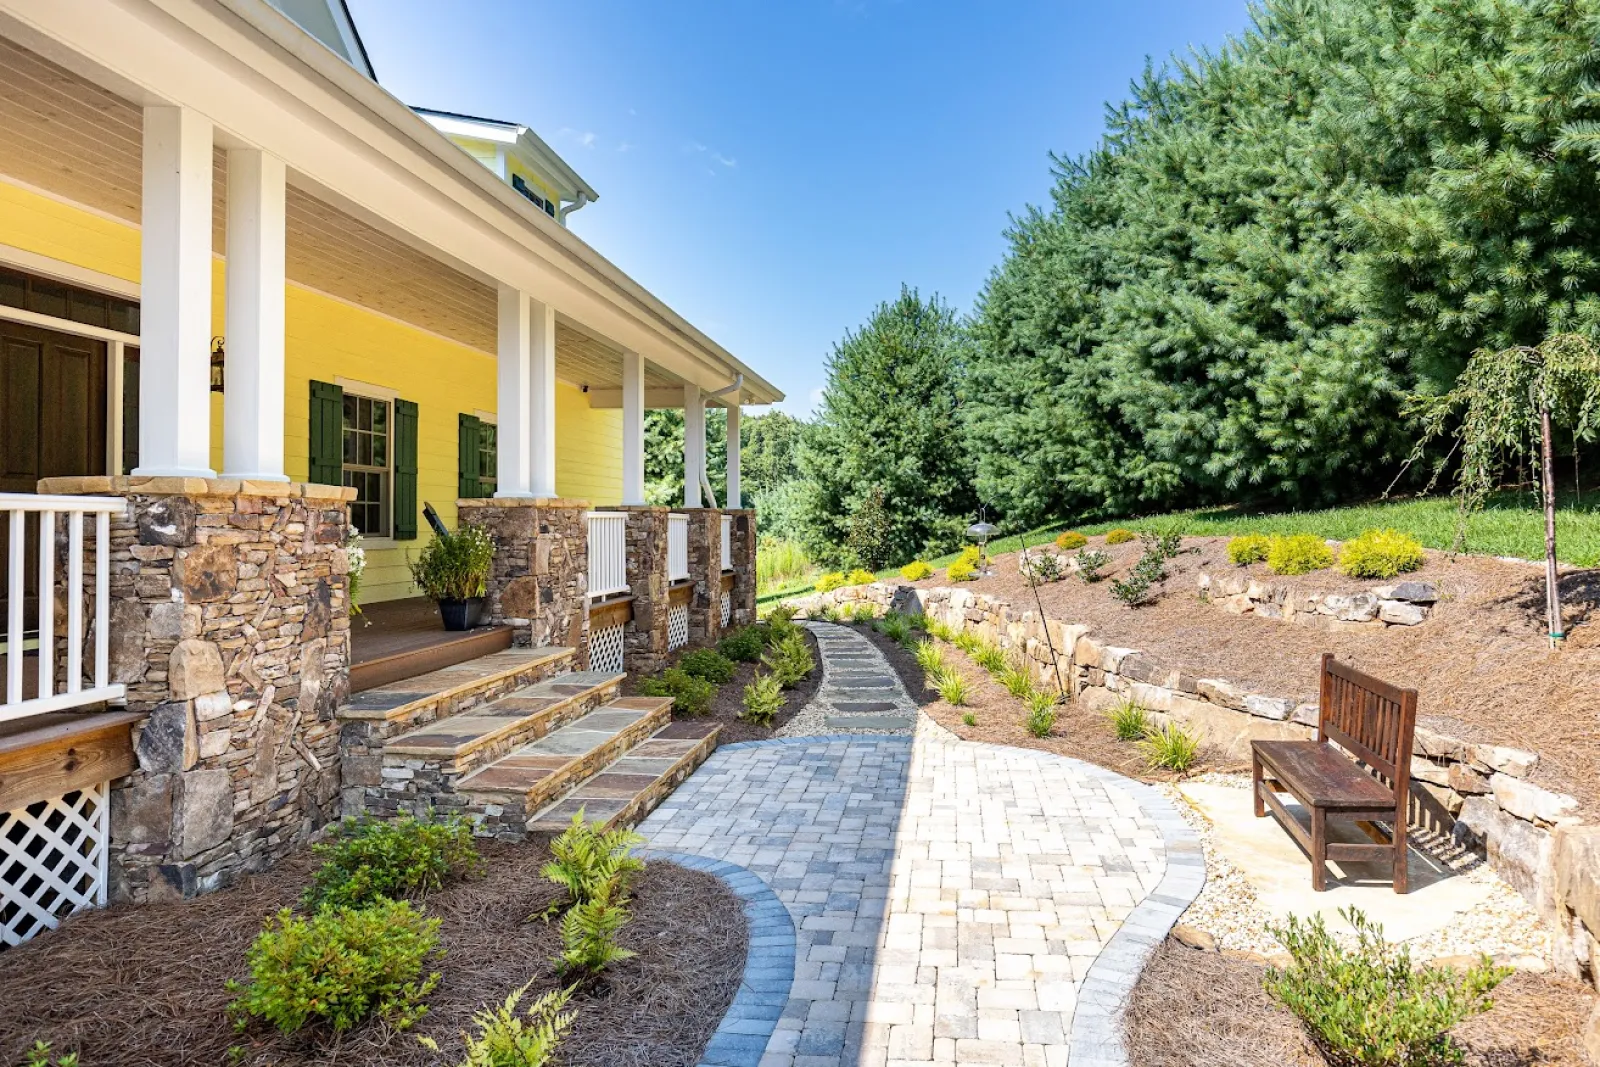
[219, 358]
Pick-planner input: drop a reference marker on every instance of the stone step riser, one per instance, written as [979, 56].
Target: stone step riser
[520, 805]
[485, 753]
[646, 800]
[460, 700]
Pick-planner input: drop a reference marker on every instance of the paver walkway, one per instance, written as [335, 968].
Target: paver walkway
[950, 902]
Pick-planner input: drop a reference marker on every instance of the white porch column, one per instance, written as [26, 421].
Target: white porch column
[175, 295]
[694, 444]
[514, 397]
[632, 428]
[542, 396]
[252, 402]
[732, 489]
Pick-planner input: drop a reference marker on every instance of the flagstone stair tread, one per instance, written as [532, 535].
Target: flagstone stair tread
[393, 701]
[626, 790]
[540, 704]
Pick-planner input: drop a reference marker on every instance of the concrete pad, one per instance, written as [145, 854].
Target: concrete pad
[1280, 873]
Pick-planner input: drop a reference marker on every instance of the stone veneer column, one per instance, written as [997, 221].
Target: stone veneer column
[230, 625]
[744, 566]
[705, 568]
[645, 638]
[539, 583]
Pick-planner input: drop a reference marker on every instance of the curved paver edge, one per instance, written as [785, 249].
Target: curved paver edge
[741, 1038]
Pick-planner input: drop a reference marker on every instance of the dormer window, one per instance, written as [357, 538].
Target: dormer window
[521, 185]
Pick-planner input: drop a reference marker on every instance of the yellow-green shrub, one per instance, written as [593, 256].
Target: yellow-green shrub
[1298, 554]
[1249, 548]
[915, 571]
[1119, 536]
[1380, 554]
[860, 577]
[1070, 539]
[827, 583]
[964, 569]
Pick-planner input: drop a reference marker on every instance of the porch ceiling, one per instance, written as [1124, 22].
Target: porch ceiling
[73, 140]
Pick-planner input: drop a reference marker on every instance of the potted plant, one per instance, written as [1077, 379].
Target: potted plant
[453, 570]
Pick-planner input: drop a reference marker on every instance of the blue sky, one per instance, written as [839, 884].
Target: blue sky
[773, 169]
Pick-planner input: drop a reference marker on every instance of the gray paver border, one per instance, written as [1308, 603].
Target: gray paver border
[741, 1038]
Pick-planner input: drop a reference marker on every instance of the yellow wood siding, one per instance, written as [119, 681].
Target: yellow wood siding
[327, 340]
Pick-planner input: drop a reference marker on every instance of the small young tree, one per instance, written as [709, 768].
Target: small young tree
[1508, 403]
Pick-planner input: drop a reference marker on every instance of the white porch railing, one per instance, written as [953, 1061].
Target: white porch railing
[677, 547]
[608, 553]
[14, 511]
[727, 542]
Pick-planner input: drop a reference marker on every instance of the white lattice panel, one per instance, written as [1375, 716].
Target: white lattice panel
[727, 609]
[52, 862]
[605, 649]
[677, 627]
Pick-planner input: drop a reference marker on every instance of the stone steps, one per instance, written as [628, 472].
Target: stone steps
[528, 779]
[628, 789]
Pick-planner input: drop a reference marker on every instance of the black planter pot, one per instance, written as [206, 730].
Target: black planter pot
[461, 614]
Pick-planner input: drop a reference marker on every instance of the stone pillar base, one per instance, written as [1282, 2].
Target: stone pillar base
[539, 583]
[705, 568]
[645, 638]
[744, 566]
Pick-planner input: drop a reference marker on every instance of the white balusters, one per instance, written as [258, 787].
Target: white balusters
[727, 542]
[608, 553]
[677, 547]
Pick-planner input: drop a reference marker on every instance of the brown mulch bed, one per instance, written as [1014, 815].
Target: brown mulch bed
[1480, 662]
[143, 985]
[1000, 717]
[1193, 1007]
[729, 700]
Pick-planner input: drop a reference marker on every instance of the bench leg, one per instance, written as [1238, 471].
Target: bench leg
[1255, 786]
[1401, 857]
[1319, 849]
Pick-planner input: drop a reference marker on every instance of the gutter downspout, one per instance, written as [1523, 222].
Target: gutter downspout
[576, 205]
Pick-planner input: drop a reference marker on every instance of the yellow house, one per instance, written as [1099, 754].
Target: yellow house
[283, 272]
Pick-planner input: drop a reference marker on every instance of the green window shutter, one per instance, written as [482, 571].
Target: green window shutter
[405, 470]
[327, 435]
[468, 436]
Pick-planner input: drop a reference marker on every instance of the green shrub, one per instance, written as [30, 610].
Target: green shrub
[454, 566]
[968, 719]
[1366, 1004]
[506, 1039]
[930, 657]
[1171, 747]
[39, 1056]
[1167, 544]
[917, 621]
[1070, 539]
[1119, 536]
[707, 663]
[860, 577]
[589, 933]
[1129, 720]
[953, 688]
[744, 644]
[763, 699]
[827, 583]
[1090, 563]
[338, 967]
[779, 621]
[1134, 588]
[691, 696]
[1041, 713]
[399, 859]
[1248, 548]
[586, 857]
[1380, 554]
[915, 571]
[965, 567]
[790, 659]
[1041, 567]
[1298, 554]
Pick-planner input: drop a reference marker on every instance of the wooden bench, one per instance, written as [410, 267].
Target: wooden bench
[1369, 720]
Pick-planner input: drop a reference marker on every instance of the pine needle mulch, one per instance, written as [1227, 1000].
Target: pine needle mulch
[141, 986]
[1193, 1007]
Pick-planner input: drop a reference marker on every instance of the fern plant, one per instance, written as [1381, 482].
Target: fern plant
[763, 699]
[589, 933]
[790, 659]
[587, 859]
[507, 1039]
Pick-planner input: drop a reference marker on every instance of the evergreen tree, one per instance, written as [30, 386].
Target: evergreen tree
[889, 423]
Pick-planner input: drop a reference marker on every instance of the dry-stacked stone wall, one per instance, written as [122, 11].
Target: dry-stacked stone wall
[1480, 793]
[229, 624]
[644, 640]
[539, 582]
[744, 566]
[1397, 604]
[705, 569]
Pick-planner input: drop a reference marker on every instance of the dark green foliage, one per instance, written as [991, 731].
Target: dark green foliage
[744, 644]
[888, 423]
[397, 859]
[691, 696]
[871, 535]
[1134, 588]
[707, 663]
[1366, 1005]
[1090, 563]
[339, 967]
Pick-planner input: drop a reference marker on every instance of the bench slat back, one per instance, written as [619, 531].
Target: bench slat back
[1369, 718]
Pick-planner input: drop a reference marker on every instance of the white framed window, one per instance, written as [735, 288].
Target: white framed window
[368, 462]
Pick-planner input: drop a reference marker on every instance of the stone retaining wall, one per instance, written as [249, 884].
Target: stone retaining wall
[1398, 604]
[1478, 792]
[230, 626]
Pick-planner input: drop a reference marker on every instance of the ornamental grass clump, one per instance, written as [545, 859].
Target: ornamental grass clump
[399, 859]
[763, 699]
[338, 967]
[1366, 1005]
[1016, 681]
[1129, 720]
[505, 1038]
[953, 688]
[1380, 554]
[1041, 714]
[1068, 540]
[1248, 548]
[691, 696]
[895, 627]
[930, 657]
[916, 571]
[707, 663]
[991, 657]
[1298, 554]
[1171, 747]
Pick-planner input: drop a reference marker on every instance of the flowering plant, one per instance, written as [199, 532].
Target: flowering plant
[355, 554]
